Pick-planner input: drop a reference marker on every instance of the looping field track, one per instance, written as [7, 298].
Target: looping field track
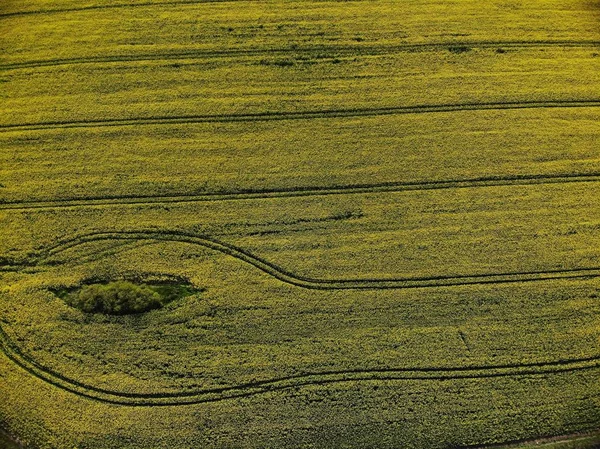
[13, 352]
[289, 382]
[302, 115]
[406, 314]
[296, 280]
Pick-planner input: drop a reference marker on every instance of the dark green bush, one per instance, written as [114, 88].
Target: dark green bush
[124, 297]
[115, 298]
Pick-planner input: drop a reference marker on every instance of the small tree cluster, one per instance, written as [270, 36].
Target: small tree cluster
[115, 298]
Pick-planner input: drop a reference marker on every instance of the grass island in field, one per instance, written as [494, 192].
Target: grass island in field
[123, 297]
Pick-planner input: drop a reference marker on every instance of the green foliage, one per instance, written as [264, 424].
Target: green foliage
[115, 298]
[123, 297]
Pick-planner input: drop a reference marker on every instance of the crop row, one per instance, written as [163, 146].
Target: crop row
[112, 6]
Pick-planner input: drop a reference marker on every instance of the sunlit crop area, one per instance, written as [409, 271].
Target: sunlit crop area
[307, 224]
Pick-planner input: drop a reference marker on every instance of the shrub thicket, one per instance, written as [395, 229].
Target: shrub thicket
[115, 298]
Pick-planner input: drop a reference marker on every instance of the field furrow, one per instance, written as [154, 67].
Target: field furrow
[305, 115]
[346, 51]
[305, 191]
[268, 386]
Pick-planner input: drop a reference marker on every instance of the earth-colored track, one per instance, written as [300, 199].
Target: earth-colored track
[590, 438]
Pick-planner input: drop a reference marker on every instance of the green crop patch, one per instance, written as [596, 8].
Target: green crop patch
[123, 297]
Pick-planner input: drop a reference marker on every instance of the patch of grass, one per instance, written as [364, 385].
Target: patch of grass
[123, 297]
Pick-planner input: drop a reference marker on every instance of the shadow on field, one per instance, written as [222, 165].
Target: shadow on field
[8, 442]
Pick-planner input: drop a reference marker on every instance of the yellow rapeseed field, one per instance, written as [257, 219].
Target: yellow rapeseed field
[377, 223]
